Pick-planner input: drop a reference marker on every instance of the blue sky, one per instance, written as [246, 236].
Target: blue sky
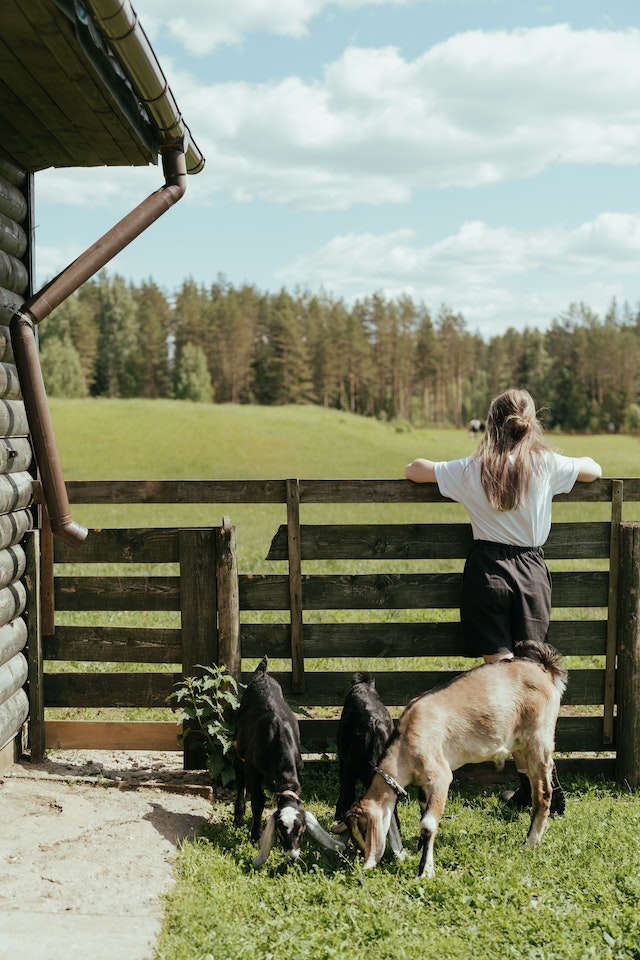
[478, 154]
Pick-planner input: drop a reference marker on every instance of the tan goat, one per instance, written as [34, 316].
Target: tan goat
[484, 714]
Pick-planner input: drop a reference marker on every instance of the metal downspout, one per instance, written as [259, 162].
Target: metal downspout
[40, 305]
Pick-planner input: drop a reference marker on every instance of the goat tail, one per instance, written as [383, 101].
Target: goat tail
[548, 657]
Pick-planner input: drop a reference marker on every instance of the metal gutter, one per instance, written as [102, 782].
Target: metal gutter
[118, 22]
[40, 305]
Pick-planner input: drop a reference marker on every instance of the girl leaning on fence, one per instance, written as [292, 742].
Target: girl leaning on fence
[507, 486]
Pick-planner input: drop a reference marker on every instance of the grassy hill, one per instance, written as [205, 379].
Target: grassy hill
[165, 439]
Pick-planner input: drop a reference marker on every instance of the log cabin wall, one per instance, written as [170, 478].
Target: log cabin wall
[16, 481]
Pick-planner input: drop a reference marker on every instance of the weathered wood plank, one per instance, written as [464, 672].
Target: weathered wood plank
[612, 612]
[176, 491]
[311, 491]
[295, 585]
[134, 545]
[109, 689]
[576, 638]
[573, 734]
[112, 735]
[117, 593]
[198, 606]
[114, 644]
[401, 591]
[628, 678]
[229, 652]
[427, 541]
[396, 688]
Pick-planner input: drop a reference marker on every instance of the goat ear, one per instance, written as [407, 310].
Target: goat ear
[374, 840]
[317, 832]
[266, 841]
[395, 840]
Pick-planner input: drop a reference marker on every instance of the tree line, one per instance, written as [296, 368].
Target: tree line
[389, 358]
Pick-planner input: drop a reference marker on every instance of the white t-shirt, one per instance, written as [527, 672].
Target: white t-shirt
[529, 525]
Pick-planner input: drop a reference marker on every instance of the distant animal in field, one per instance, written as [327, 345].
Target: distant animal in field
[363, 731]
[268, 756]
[483, 714]
[476, 427]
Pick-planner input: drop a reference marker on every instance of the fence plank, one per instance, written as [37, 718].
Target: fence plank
[396, 688]
[228, 608]
[427, 541]
[115, 644]
[401, 591]
[573, 734]
[112, 735]
[198, 606]
[577, 638]
[612, 612]
[109, 689]
[117, 593]
[295, 586]
[628, 722]
[225, 492]
[135, 545]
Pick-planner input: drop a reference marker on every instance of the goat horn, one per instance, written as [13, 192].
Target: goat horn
[321, 835]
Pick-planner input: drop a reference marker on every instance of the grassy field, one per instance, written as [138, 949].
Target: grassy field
[138, 439]
[574, 898]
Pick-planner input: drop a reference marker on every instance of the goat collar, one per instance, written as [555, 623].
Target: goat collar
[289, 793]
[395, 786]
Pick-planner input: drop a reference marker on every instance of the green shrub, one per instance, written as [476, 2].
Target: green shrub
[208, 703]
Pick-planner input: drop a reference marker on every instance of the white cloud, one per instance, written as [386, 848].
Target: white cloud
[479, 108]
[214, 23]
[496, 277]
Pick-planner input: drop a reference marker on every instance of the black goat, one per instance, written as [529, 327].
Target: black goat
[268, 756]
[363, 732]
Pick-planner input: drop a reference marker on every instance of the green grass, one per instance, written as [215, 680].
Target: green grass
[573, 898]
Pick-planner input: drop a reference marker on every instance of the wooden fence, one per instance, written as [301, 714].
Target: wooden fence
[302, 620]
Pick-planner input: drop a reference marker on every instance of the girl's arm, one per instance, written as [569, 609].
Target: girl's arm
[421, 471]
[588, 469]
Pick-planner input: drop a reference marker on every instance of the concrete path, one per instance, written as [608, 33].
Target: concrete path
[88, 847]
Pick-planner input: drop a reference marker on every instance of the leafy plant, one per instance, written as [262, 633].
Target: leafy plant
[207, 704]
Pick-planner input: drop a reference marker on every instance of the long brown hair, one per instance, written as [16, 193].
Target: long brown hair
[510, 450]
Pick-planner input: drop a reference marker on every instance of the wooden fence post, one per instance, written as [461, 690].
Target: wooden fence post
[34, 647]
[628, 683]
[295, 586]
[228, 601]
[617, 495]
[198, 616]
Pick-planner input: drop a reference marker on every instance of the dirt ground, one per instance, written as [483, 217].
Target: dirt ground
[88, 844]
